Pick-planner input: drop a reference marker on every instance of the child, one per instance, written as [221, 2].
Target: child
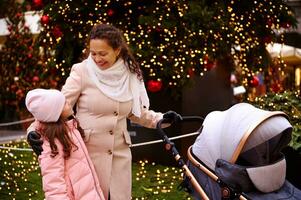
[67, 171]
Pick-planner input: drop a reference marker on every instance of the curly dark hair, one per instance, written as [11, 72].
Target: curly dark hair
[116, 40]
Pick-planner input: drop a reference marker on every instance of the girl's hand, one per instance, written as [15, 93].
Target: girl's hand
[35, 141]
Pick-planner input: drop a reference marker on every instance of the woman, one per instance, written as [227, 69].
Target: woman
[107, 88]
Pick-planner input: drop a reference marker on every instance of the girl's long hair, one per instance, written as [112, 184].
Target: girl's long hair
[59, 130]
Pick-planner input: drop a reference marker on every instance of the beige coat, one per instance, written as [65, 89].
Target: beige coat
[104, 122]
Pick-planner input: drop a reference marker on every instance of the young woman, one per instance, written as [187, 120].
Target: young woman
[67, 171]
[107, 88]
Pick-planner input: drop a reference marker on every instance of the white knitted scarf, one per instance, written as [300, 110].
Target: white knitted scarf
[118, 83]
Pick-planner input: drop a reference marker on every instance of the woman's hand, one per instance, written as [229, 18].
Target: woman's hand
[172, 116]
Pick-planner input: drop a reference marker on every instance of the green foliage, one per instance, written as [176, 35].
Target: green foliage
[151, 181]
[20, 177]
[288, 102]
[19, 174]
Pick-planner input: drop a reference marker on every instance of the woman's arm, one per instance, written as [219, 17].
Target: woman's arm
[148, 118]
[73, 85]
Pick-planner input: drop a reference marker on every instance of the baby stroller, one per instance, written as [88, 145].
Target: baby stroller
[238, 155]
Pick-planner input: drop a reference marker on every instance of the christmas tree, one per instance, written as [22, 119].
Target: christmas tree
[22, 67]
[173, 40]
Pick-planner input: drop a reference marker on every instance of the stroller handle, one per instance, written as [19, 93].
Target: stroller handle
[176, 121]
[169, 146]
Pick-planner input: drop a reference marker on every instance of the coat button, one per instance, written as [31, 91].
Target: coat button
[111, 132]
[110, 152]
[115, 113]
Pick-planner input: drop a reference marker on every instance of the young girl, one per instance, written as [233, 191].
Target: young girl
[67, 171]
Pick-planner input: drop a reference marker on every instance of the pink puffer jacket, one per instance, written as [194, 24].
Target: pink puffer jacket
[71, 179]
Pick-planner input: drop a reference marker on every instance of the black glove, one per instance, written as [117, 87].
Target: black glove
[172, 116]
[34, 140]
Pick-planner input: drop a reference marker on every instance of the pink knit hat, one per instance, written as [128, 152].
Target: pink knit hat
[45, 105]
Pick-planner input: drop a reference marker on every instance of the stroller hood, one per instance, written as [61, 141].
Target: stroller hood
[239, 130]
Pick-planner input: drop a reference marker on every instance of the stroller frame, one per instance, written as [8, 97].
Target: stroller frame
[227, 192]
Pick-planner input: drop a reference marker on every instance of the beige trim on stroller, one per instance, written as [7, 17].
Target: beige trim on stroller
[195, 183]
[249, 131]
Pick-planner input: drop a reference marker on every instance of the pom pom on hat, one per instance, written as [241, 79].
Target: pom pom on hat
[45, 105]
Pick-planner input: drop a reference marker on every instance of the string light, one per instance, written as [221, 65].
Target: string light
[19, 167]
[163, 180]
[16, 170]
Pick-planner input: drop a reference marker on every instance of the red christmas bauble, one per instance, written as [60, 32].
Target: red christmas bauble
[154, 85]
[45, 19]
[254, 82]
[35, 79]
[37, 3]
[18, 14]
[20, 93]
[110, 12]
[56, 31]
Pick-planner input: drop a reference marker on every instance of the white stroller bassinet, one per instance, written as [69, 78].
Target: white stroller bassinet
[238, 151]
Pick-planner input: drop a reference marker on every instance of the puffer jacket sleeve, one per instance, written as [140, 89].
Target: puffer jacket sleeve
[73, 85]
[32, 127]
[148, 118]
[53, 174]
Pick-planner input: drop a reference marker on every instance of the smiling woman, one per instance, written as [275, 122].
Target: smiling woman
[107, 88]
[102, 53]
[107, 44]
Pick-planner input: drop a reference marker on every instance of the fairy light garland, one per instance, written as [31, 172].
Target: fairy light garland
[164, 180]
[16, 168]
[167, 34]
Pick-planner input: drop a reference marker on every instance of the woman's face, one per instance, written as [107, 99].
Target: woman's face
[67, 110]
[102, 53]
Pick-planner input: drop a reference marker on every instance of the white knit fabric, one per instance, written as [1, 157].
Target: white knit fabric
[45, 105]
[118, 83]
